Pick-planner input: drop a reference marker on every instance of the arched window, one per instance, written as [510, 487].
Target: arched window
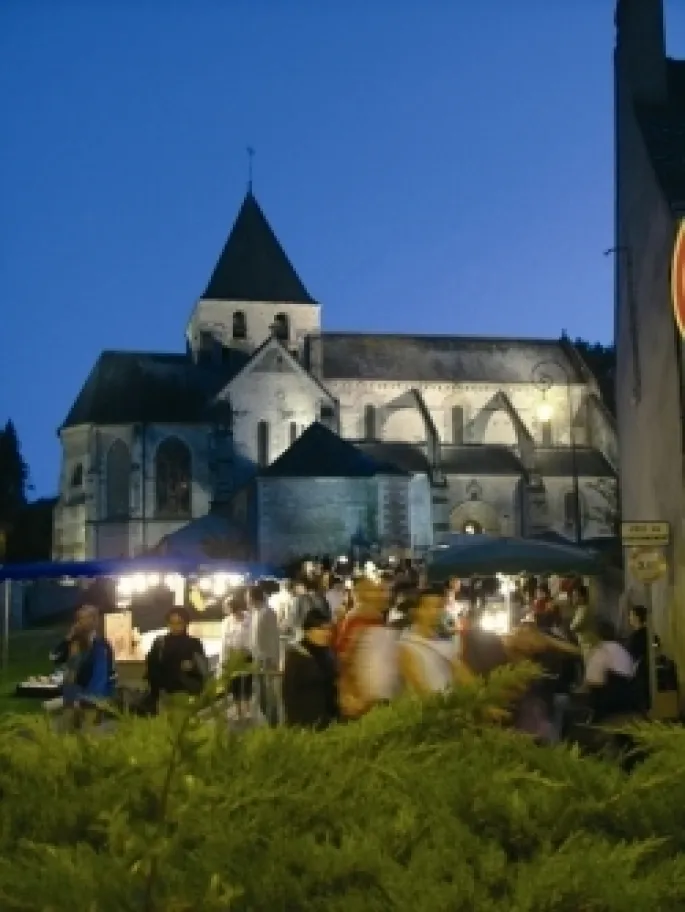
[263, 443]
[173, 478]
[239, 325]
[369, 422]
[281, 327]
[118, 481]
[457, 424]
[77, 476]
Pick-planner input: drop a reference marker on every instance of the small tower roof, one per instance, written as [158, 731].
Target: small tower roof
[253, 266]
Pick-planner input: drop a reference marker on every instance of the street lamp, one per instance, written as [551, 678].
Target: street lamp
[545, 380]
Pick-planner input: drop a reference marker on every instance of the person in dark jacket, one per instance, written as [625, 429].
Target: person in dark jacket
[638, 647]
[176, 662]
[310, 698]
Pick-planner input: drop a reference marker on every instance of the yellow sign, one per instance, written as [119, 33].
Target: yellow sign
[647, 565]
[645, 534]
[678, 279]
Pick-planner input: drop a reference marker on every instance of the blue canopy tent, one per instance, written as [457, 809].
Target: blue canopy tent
[92, 569]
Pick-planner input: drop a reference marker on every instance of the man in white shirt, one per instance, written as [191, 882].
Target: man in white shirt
[608, 656]
[336, 596]
[266, 651]
[610, 676]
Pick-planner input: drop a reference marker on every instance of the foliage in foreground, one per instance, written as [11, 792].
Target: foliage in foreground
[415, 808]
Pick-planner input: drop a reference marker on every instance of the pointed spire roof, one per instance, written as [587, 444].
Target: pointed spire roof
[253, 266]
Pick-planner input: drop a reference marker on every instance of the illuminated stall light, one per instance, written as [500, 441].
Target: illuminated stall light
[139, 583]
[125, 586]
[506, 584]
[495, 622]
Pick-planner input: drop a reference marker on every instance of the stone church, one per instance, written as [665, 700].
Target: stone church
[310, 438]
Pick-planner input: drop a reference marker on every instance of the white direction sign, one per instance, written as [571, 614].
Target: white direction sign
[645, 534]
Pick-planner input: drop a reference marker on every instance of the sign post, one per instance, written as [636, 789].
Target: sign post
[645, 543]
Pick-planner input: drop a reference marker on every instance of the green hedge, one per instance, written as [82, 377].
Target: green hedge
[414, 808]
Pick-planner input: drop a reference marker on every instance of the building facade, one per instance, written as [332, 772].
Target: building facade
[650, 202]
[495, 435]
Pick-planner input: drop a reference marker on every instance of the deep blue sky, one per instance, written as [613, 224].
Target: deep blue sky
[429, 167]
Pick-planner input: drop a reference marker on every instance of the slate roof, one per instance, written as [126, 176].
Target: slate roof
[447, 359]
[140, 387]
[479, 460]
[663, 128]
[253, 266]
[557, 462]
[320, 453]
[409, 457]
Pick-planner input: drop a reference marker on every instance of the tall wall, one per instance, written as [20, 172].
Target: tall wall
[647, 382]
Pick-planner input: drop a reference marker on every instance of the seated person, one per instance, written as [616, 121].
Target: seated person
[90, 675]
[610, 676]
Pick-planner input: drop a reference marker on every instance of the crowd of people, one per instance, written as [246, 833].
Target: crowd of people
[335, 647]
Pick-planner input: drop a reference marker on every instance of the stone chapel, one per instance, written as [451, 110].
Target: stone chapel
[444, 433]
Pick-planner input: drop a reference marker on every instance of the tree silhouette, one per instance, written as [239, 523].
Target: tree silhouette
[601, 359]
[14, 474]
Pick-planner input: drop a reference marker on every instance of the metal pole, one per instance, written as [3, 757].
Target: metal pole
[6, 627]
[577, 518]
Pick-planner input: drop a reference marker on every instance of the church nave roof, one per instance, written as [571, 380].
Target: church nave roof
[149, 387]
[445, 359]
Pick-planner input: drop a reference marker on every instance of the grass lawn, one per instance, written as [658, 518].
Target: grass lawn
[28, 655]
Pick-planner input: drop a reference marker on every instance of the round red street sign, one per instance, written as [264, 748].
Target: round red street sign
[678, 278]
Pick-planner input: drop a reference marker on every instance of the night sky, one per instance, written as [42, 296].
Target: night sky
[429, 167]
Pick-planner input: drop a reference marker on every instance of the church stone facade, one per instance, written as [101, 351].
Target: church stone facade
[460, 433]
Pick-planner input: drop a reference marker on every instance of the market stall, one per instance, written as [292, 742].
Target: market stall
[200, 585]
[501, 561]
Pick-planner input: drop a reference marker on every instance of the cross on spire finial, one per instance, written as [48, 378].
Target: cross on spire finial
[250, 163]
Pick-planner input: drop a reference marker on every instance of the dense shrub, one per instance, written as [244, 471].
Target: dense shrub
[414, 808]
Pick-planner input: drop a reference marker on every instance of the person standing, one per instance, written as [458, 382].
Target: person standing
[310, 698]
[428, 663]
[237, 651]
[176, 662]
[266, 652]
[336, 597]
